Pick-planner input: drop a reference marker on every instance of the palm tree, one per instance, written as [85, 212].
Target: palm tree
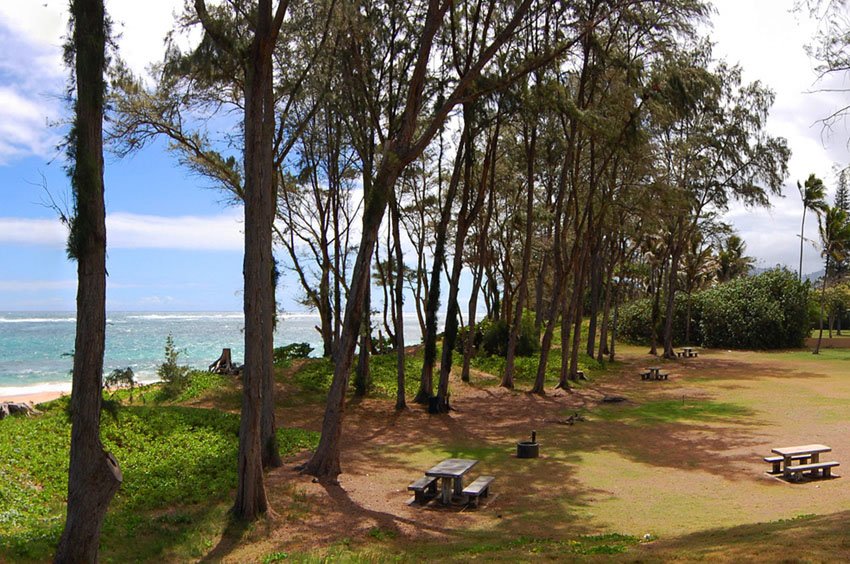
[834, 230]
[731, 260]
[698, 270]
[813, 193]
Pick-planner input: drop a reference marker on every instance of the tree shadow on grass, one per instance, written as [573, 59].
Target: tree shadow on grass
[804, 538]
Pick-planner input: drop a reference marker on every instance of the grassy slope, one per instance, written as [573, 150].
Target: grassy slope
[178, 467]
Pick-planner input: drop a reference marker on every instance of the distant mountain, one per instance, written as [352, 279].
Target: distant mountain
[811, 277]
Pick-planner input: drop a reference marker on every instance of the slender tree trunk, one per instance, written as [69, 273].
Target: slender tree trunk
[324, 463]
[822, 303]
[612, 348]
[362, 374]
[93, 473]
[656, 309]
[606, 313]
[256, 433]
[400, 402]
[522, 290]
[802, 232]
[672, 278]
[426, 382]
[595, 282]
[567, 314]
[577, 313]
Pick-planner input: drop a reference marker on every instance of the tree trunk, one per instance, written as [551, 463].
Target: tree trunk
[577, 313]
[822, 302]
[522, 290]
[606, 312]
[614, 321]
[324, 464]
[362, 374]
[595, 282]
[400, 402]
[93, 473]
[257, 439]
[670, 312]
[426, 385]
[802, 232]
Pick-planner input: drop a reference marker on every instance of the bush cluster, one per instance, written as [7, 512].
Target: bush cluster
[284, 354]
[175, 378]
[767, 311]
[491, 336]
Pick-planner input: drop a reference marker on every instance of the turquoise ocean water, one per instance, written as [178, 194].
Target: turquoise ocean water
[36, 345]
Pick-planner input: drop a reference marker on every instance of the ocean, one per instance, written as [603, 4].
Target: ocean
[35, 347]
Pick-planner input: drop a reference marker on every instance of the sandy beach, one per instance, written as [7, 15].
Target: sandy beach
[34, 398]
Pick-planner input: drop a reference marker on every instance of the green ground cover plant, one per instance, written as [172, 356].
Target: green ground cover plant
[170, 456]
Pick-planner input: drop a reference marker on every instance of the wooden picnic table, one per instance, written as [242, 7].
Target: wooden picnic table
[451, 472]
[788, 454]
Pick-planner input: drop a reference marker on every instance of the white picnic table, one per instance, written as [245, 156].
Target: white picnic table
[787, 453]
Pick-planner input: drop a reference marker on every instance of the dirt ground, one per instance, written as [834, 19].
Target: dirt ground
[602, 475]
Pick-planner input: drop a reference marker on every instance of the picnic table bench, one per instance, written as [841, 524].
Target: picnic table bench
[480, 487]
[424, 488]
[776, 461]
[813, 469]
[687, 352]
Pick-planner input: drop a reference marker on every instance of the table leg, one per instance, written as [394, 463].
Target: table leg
[786, 462]
[815, 457]
[459, 485]
[446, 492]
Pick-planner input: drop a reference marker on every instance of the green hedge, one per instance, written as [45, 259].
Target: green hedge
[767, 311]
[633, 324]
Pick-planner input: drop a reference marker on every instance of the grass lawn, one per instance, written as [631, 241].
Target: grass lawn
[675, 472]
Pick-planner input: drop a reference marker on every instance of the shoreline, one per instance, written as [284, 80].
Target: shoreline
[34, 398]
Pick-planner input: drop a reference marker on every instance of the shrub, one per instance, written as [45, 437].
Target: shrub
[175, 378]
[767, 311]
[121, 378]
[284, 354]
[495, 335]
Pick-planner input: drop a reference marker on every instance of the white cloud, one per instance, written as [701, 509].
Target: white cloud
[135, 231]
[776, 56]
[33, 77]
[24, 231]
[213, 233]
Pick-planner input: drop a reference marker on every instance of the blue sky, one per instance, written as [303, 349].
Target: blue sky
[175, 245]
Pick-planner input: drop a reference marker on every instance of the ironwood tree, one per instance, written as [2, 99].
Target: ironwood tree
[93, 474]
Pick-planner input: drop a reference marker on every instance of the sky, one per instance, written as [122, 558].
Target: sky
[174, 243]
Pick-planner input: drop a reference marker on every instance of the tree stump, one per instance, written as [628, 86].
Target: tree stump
[224, 363]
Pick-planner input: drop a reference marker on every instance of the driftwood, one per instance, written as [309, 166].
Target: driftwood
[571, 420]
[17, 408]
[224, 365]
[613, 399]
